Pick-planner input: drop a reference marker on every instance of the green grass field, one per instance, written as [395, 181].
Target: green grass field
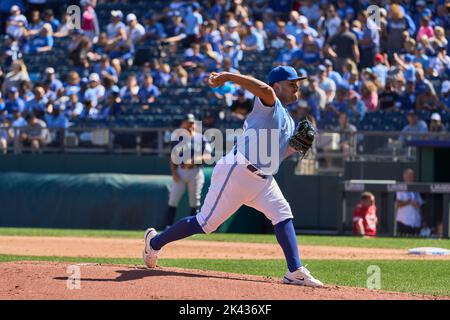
[415, 276]
[340, 241]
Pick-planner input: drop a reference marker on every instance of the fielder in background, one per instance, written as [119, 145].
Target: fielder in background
[189, 173]
[237, 181]
[365, 218]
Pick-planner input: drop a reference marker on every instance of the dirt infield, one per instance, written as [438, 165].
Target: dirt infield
[189, 249]
[47, 280]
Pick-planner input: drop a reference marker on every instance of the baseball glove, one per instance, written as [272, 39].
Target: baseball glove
[303, 137]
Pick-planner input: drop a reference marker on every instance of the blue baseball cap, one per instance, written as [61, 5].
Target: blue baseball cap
[302, 73]
[282, 73]
[13, 90]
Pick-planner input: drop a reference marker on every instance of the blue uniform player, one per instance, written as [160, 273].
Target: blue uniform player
[244, 175]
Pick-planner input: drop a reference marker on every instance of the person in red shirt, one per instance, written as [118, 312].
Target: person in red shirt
[365, 216]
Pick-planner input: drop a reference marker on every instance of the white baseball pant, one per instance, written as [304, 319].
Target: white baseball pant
[233, 185]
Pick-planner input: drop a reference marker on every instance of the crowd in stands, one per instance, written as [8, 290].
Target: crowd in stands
[355, 66]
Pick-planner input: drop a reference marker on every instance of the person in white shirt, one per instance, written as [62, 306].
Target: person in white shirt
[408, 206]
[17, 23]
[116, 30]
[95, 89]
[135, 30]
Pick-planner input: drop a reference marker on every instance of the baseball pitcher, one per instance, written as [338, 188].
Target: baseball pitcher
[244, 176]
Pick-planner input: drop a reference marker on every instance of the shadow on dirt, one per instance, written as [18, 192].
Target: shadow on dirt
[137, 274]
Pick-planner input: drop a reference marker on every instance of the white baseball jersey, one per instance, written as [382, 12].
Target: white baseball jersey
[234, 185]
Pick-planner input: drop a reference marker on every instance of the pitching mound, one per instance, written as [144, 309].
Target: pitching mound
[45, 280]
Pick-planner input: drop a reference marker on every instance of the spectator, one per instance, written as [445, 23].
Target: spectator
[43, 42]
[112, 106]
[287, 55]
[365, 218]
[129, 92]
[342, 46]
[369, 45]
[357, 108]
[17, 119]
[269, 24]
[232, 53]
[380, 69]
[414, 126]
[38, 105]
[242, 106]
[49, 17]
[14, 101]
[10, 51]
[388, 98]
[25, 91]
[135, 31]
[223, 93]
[408, 96]
[308, 56]
[292, 24]
[89, 20]
[426, 100]
[279, 38]
[326, 84]
[55, 84]
[369, 95]
[193, 20]
[212, 35]
[34, 134]
[153, 29]
[176, 31]
[310, 10]
[194, 55]
[56, 119]
[444, 102]
[148, 92]
[347, 133]
[304, 29]
[74, 107]
[35, 24]
[73, 82]
[163, 75]
[425, 29]
[95, 89]
[253, 41]
[441, 63]
[105, 69]
[17, 23]
[332, 74]
[79, 49]
[89, 111]
[316, 98]
[398, 27]
[408, 206]
[116, 34]
[436, 123]
[180, 76]
[4, 135]
[17, 74]
[332, 22]
[199, 75]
